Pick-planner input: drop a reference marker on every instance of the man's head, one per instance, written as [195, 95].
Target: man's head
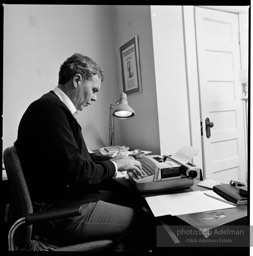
[80, 78]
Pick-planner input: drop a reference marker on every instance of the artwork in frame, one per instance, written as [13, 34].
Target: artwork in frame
[130, 66]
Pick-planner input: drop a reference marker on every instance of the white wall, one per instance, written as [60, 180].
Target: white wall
[192, 82]
[244, 46]
[244, 35]
[37, 39]
[141, 131]
[170, 70]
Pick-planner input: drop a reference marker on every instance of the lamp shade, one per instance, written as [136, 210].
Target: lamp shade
[122, 109]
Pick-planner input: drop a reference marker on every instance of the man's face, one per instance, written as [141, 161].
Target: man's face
[86, 92]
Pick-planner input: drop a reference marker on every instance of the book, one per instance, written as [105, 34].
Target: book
[244, 191]
[230, 193]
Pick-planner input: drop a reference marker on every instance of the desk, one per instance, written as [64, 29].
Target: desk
[228, 228]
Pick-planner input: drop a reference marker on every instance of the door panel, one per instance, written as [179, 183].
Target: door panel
[231, 172]
[218, 64]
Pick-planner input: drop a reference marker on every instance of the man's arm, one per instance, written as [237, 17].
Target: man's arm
[96, 158]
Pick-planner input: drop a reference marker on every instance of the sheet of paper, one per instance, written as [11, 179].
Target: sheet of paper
[184, 203]
[208, 183]
[213, 194]
[185, 154]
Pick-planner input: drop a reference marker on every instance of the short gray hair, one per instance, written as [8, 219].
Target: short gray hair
[80, 64]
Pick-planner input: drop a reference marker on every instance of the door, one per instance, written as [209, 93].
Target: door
[223, 142]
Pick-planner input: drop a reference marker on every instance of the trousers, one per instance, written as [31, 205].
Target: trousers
[118, 215]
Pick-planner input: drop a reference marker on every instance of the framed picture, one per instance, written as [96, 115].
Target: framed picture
[130, 66]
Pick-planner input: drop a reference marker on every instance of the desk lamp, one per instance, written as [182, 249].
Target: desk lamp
[121, 110]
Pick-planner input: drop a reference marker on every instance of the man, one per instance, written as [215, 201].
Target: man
[58, 168]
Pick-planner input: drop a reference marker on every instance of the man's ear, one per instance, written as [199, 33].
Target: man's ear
[77, 80]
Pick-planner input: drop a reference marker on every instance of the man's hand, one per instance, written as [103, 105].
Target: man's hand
[127, 163]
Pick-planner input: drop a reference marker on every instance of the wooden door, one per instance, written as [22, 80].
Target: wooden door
[218, 57]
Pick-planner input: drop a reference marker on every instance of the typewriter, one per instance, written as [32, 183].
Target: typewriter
[160, 174]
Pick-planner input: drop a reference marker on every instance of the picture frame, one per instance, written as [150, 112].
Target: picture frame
[130, 67]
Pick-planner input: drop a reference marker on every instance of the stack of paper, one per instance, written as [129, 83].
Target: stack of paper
[112, 150]
[186, 203]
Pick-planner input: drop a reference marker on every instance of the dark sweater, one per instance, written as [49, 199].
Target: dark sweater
[55, 160]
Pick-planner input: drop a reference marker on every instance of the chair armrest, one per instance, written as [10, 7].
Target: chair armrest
[53, 214]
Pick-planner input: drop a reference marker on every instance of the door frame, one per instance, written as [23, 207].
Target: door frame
[192, 78]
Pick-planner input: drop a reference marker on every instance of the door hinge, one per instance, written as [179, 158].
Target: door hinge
[201, 129]
[239, 39]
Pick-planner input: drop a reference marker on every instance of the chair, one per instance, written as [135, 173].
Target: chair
[20, 236]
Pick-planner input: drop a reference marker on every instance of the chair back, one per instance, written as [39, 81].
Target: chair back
[21, 203]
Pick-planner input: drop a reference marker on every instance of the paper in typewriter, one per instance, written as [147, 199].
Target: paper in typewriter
[185, 154]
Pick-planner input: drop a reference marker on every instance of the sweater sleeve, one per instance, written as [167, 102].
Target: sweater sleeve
[98, 158]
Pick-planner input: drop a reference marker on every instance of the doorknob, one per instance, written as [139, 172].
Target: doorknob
[209, 125]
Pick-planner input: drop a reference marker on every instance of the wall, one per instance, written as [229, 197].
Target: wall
[170, 70]
[244, 46]
[37, 39]
[141, 131]
[162, 108]
[192, 82]
[244, 35]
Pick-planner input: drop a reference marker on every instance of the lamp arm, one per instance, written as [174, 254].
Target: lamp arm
[111, 126]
